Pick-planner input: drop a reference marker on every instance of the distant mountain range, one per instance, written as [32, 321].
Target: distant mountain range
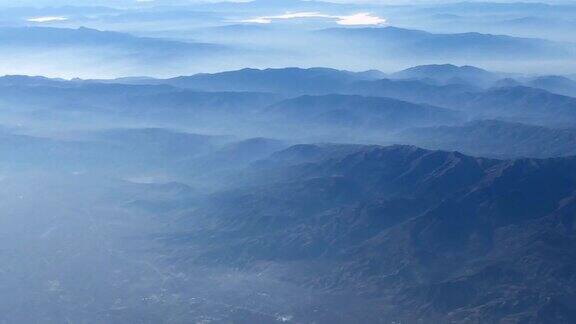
[287, 80]
[552, 83]
[416, 43]
[413, 90]
[357, 112]
[556, 84]
[496, 139]
[523, 104]
[130, 152]
[219, 51]
[449, 74]
[155, 103]
[84, 52]
[315, 96]
[48, 38]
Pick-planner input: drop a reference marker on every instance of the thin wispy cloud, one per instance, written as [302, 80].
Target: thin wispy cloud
[46, 19]
[286, 16]
[363, 18]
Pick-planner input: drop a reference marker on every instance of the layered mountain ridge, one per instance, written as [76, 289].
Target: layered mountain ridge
[430, 234]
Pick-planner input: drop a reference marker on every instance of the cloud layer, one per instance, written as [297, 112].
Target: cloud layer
[363, 18]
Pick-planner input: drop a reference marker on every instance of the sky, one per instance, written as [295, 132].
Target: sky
[12, 3]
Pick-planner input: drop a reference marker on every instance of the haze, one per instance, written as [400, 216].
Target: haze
[287, 161]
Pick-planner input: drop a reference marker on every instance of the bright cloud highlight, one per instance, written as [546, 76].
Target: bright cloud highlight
[363, 18]
[46, 19]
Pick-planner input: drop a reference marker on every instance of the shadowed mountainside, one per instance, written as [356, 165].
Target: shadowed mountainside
[418, 234]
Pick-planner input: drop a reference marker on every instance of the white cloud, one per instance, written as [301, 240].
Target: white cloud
[46, 19]
[297, 15]
[288, 15]
[363, 18]
[259, 20]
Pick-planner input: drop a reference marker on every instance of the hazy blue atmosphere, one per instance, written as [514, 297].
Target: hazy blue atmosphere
[287, 161]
